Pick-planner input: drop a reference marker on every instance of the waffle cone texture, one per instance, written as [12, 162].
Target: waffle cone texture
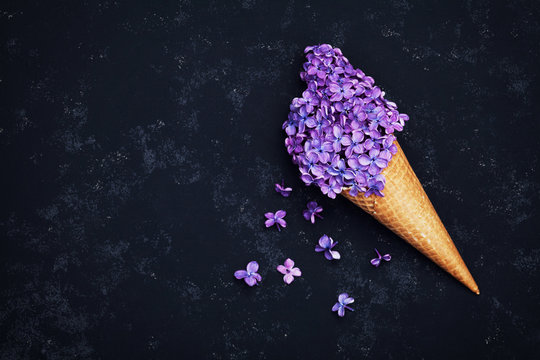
[406, 210]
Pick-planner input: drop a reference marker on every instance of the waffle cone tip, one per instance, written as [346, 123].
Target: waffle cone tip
[407, 211]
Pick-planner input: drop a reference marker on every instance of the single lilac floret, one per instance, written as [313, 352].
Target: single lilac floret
[276, 218]
[284, 191]
[343, 303]
[377, 261]
[289, 271]
[250, 275]
[375, 184]
[326, 244]
[313, 210]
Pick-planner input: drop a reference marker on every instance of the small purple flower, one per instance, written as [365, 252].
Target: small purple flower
[375, 184]
[326, 244]
[355, 146]
[317, 68]
[377, 261]
[309, 100]
[300, 119]
[290, 124]
[294, 144]
[320, 148]
[307, 179]
[338, 138]
[276, 219]
[331, 189]
[310, 164]
[373, 162]
[359, 184]
[338, 92]
[289, 271]
[313, 209]
[339, 169]
[250, 275]
[343, 301]
[284, 191]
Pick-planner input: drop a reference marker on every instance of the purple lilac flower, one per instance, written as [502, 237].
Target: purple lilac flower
[343, 303]
[326, 244]
[294, 144]
[276, 218]
[359, 184]
[284, 191]
[377, 261]
[355, 146]
[250, 275]
[373, 162]
[375, 184]
[340, 131]
[340, 170]
[289, 271]
[313, 210]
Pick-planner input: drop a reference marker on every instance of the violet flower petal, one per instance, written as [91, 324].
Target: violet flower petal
[282, 269]
[347, 301]
[252, 267]
[342, 297]
[296, 272]
[325, 241]
[289, 263]
[250, 281]
[288, 278]
[240, 274]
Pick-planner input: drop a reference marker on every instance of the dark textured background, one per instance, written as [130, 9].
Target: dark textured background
[140, 143]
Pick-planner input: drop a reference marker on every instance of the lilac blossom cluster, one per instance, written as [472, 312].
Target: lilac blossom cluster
[340, 132]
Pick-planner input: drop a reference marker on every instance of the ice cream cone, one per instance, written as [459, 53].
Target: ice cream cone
[406, 210]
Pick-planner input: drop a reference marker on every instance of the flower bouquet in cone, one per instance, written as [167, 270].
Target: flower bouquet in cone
[341, 135]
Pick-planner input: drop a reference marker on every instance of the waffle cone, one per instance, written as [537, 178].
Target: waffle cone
[406, 210]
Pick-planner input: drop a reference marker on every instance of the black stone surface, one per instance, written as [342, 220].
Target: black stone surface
[139, 145]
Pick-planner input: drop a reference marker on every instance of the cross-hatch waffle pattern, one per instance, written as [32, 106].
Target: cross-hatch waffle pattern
[406, 210]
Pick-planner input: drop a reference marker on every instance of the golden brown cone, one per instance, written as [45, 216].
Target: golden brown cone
[406, 210]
